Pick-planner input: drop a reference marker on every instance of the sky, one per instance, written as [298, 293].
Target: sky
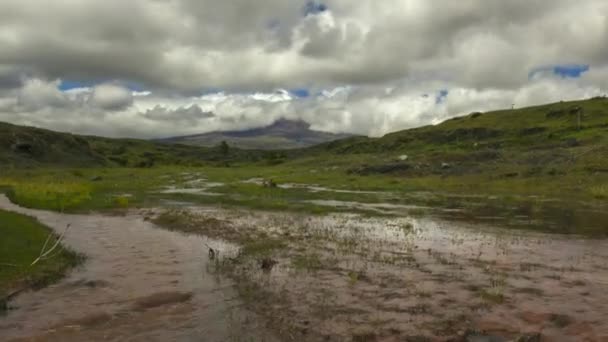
[160, 68]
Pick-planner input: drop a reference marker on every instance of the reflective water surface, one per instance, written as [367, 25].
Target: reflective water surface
[139, 283]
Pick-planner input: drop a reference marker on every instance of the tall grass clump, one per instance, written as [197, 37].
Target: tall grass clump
[599, 191]
[52, 195]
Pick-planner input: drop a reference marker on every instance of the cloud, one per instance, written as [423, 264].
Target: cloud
[369, 110]
[188, 45]
[37, 94]
[191, 115]
[111, 97]
[375, 58]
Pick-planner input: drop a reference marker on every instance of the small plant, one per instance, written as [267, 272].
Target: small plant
[495, 293]
[407, 228]
[307, 262]
[78, 173]
[599, 191]
[121, 201]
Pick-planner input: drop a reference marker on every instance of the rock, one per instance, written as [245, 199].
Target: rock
[96, 178]
[530, 337]
[446, 166]
[380, 169]
[484, 338]
[571, 142]
[403, 157]
[269, 184]
[267, 264]
[22, 147]
[510, 175]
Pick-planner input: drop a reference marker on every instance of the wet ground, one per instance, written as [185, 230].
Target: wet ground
[349, 278]
[139, 283]
[339, 277]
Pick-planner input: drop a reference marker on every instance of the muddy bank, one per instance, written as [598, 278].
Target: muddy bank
[139, 283]
[348, 278]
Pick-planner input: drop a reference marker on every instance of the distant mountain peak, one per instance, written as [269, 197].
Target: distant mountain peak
[281, 134]
[289, 124]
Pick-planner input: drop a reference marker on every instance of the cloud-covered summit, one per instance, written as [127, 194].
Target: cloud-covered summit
[150, 68]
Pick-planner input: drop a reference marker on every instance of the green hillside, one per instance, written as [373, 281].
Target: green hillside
[534, 162]
[22, 146]
[531, 141]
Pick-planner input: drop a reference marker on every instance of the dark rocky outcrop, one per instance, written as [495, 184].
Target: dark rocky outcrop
[391, 168]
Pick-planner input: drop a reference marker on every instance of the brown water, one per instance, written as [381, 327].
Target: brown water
[345, 277]
[139, 283]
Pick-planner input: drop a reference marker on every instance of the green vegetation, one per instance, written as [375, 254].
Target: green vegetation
[534, 162]
[22, 240]
[33, 147]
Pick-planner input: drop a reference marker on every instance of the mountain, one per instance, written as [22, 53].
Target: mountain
[282, 134]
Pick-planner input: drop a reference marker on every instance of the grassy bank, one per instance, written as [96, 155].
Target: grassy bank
[570, 203]
[22, 239]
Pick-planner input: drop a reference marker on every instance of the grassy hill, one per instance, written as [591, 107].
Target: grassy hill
[22, 146]
[538, 140]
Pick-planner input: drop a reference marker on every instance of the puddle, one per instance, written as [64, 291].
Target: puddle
[191, 191]
[317, 188]
[344, 277]
[198, 186]
[139, 283]
[385, 208]
[257, 181]
[313, 187]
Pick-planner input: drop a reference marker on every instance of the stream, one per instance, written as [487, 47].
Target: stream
[344, 277]
[138, 283]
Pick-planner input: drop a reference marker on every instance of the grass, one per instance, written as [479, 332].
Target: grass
[22, 239]
[527, 162]
[58, 196]
[599, 191]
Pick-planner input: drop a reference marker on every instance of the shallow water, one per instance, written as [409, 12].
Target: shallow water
[384, 208]
[314, 187]
[373, 279]
[139, 283]
[346, 277]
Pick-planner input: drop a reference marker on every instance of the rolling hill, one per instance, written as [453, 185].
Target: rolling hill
[542, 140]
[22, 146]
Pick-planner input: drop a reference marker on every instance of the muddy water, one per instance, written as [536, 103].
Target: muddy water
[345, 277]
[139, 283]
